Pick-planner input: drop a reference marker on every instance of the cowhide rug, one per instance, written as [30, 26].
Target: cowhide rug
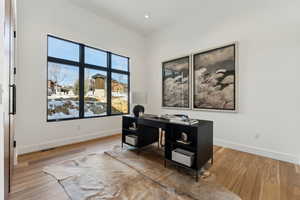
[122, 174]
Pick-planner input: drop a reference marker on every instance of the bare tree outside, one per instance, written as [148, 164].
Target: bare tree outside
[63, 100]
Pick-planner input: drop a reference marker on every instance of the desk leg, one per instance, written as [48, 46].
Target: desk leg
[197, 175]
[165, 163]
[159, 137]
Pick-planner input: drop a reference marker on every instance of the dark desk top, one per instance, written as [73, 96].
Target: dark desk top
[158, 119]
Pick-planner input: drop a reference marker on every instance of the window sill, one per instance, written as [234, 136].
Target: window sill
[92, 117]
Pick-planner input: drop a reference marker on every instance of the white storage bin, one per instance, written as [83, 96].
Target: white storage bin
[131, 139]
[183, 156]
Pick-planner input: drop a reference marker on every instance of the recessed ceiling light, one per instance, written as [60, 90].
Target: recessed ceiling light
[147, 16]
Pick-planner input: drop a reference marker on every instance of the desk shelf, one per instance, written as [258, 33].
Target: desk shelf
[129, 131]
[145, 135]
[201, 138]
[193, 167]
[188, 147]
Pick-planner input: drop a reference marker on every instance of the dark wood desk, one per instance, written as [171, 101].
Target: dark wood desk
[147, 132]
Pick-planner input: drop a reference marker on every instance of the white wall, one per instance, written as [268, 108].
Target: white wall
[62, 18]
[269, 45]
[268, 33]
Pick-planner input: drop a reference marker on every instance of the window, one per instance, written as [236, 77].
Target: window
[95, 95]
[119, 62]
[63, 49]
[95, 57]
[85, 82]
[63, 98]
[119, 93]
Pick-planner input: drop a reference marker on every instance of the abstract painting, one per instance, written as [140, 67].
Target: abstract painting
[214, 79]
[176, 83]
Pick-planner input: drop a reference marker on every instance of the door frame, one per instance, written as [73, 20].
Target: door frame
[9, 80]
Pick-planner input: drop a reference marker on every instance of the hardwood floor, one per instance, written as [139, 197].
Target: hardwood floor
[251, 177]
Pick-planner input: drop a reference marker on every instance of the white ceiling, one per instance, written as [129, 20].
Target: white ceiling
[130, 13]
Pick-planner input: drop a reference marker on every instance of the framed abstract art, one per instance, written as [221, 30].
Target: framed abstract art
[215, 79]
[176, 83]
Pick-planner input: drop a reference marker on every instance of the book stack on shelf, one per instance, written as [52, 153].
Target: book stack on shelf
[183, 121]
[180, 119]
[183, 142]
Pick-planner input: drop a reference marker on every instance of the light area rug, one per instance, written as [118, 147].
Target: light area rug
[123, 174]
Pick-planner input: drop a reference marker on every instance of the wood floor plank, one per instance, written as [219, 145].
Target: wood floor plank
[250, 184]
[250, 176]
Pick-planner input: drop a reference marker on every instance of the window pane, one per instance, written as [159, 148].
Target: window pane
[63, 49]
[95, 57]
[95, 93]
[119, 93]
[119, 62]
[63, 91]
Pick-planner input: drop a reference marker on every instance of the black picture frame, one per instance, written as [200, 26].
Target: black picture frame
[168, 80]
[215, 79]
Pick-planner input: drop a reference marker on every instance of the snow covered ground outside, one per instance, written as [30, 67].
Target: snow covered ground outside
[67, 106]
[60, 115]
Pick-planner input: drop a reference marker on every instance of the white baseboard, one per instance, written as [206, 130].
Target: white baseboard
[219, 142]
[258, 151]
[65, 141]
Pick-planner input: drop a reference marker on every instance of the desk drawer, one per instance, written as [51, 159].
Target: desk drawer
[152, 123]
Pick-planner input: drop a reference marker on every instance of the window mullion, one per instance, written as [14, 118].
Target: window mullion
[109, 105]
[62, 61]
[120, 71]
[81, 82]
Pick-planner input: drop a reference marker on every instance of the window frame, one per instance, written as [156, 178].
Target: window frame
[82, 66]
